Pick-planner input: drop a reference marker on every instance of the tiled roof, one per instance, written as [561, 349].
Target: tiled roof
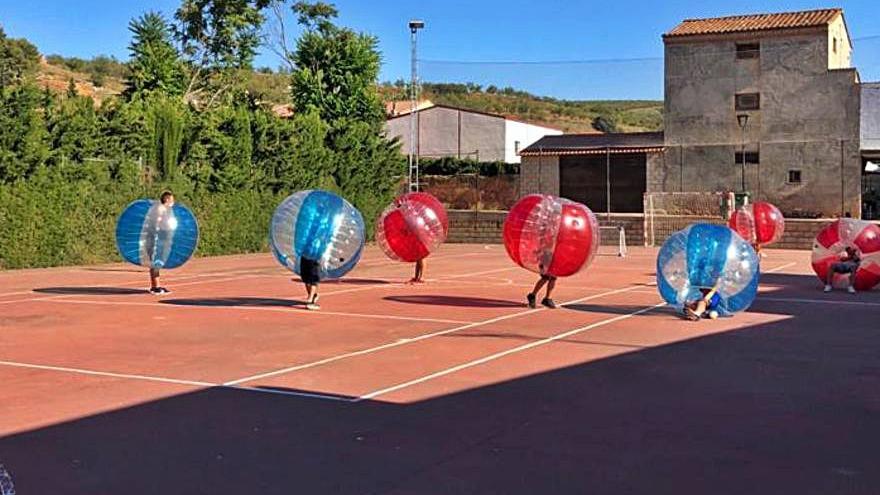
[755, 22]
[403, 107]
[578, 144]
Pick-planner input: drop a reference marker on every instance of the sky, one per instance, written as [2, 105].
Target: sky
[615, 45]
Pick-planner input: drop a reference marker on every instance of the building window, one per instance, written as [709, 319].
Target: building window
[794, 177]
[751, 157]
[834, 44]
[748, 101]
[748, 50]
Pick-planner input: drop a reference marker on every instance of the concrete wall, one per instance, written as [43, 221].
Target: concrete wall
[452, 132]
[870, 117]
[808, 121]
[539, 175]
[486, 227]
[519, 135]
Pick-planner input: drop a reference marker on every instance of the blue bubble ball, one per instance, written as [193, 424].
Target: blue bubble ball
[321, 226]
[704, 256]
[153, 235]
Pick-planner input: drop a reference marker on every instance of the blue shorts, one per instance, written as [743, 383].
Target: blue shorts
[714, 302]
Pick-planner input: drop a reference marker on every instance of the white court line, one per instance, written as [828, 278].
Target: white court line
[291, 310]
[247, 272]
[410, 340]
[63, 297]
[175, 381]
[508, 352]
[106, 373]
[818, 301]
[521, 348]
[781, 267]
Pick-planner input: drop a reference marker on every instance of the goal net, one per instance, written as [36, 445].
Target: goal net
[669, 212]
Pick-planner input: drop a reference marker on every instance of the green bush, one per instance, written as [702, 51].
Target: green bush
[68, 217]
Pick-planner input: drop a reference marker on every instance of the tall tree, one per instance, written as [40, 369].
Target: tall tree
[336, 76]
[219, 39]
[155, 64]
[19, 59]
[336, 68]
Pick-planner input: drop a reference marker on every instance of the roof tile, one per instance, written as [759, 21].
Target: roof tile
[754, 22]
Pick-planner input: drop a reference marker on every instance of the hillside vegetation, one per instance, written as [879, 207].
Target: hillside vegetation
[102, 77]
[567, 115]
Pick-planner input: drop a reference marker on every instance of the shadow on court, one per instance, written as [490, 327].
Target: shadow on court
[233, 302]
[784, 407]
[470, 302]
[91, 291]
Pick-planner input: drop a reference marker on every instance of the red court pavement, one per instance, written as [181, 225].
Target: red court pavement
[228, 385]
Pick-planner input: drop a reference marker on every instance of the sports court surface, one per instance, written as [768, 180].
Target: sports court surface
[228, 386]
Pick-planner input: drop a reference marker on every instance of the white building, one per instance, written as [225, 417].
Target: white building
[458, 132]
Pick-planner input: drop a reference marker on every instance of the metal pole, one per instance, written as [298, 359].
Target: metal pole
[608, 182]
[743, 156]
[414, 26]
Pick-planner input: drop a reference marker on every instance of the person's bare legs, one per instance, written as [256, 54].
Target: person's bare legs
[419, 273]
[548, 301]
[852, 281]
[532, 296]
[312, 296]
[154, 278]
[829, 279]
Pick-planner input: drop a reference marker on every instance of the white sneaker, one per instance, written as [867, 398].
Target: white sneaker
[851, 289]
[827, 288]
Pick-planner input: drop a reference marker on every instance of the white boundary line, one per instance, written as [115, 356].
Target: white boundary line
[125, 285]
[498, 355]
[105, 373]
[410, 340]
[291, 310]
[817, 301]
[521, 348]
[148, 378]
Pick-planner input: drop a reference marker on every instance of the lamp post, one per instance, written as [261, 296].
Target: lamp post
[414, 26]
[743, 120]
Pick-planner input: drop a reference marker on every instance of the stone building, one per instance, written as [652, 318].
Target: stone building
[776, 91]
[457, 132]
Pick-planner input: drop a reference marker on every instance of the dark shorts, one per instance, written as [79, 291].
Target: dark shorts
[844, 267]
[309, 271]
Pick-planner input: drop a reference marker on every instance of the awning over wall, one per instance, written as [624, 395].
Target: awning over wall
[593, 144]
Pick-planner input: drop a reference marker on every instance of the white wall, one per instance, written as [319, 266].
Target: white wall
[526, 134]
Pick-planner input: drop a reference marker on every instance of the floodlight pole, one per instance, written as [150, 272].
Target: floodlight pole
[414, 26]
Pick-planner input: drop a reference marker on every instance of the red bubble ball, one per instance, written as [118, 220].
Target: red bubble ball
[759, 223]
[550, 235]
[832, 241]
[412, 227]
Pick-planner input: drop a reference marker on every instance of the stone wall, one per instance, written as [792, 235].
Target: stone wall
[486, 227]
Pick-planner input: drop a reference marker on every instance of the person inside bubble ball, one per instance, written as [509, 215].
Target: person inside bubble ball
[166, 200]
[704, 307]
[310, 273]
[848, 264]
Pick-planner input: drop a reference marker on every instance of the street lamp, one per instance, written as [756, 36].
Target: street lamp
[743, 120]
[414, 26]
